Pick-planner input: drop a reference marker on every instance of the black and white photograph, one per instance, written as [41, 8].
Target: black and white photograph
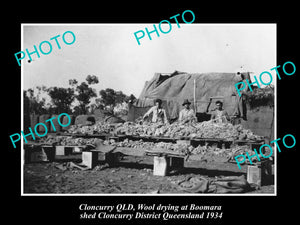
[150, 110]
[134, 114]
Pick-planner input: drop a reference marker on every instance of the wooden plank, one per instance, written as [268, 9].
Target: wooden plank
[63, 134]
[151, 138]
[160, 151]
[104, 148]
[32, 144]
[208, 139]
[68, 149]
[90, 135]
[248, 142]
[197, 157]
[121, 135]
[188, 142]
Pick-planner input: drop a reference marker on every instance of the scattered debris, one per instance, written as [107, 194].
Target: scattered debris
[220, 185]
[71, 165]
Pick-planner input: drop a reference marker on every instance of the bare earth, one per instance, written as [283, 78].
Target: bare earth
[133, 175]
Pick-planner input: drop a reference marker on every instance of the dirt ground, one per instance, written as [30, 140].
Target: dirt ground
[131, 175]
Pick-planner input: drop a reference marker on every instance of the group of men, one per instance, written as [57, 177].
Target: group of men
[186, 115]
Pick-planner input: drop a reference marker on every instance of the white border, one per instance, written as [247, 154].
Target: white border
[22, 118]
[181, 194]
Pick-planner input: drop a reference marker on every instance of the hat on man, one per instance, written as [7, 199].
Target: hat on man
[219, 103]
[186, 101]
[158, 100]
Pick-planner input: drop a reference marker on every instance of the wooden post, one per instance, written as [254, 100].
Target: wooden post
[161, 165]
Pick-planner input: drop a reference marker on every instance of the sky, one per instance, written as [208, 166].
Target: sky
[111, 52]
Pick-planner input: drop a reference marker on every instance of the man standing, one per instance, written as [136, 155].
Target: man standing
[187, 114]
[159, 114]
[241, 109]
[219, 114]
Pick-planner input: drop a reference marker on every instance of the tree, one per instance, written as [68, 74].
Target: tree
[32, 101]
[62, 99]
[110, 97]
[83, 92]
[120, 97]
[92, 79]
[73, 82]
[130, 98]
